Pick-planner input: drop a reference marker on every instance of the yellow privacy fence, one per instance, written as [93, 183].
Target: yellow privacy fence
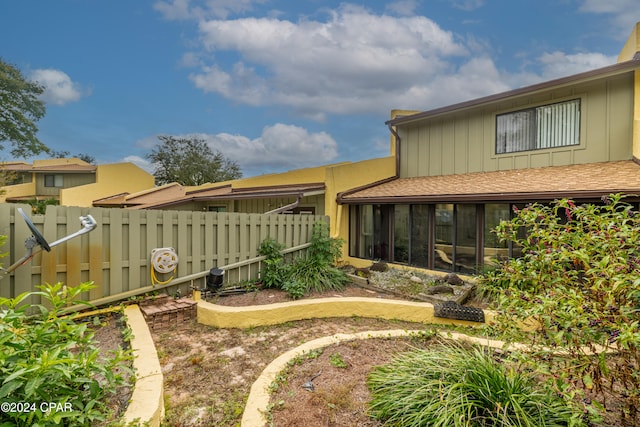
[117, 254]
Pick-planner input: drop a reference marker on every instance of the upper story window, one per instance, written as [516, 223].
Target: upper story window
[547, 126]
[53, 181]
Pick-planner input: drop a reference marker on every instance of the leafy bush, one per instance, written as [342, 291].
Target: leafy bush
[275, 270]
[324, 249]
[45, 357]
[315, 272]
[455, 386]
[578, 279]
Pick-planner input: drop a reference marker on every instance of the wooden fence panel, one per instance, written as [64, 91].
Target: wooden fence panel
[96, 264]
[116, 255]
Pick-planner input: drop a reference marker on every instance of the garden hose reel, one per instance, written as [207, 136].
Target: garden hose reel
[164, 261]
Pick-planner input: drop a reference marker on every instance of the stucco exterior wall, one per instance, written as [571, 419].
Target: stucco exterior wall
[344, 177]
[18, 190]
[464, 142]
[631, 46]
[110, 179]
[336, 177]
[69, 180]
[297, 176]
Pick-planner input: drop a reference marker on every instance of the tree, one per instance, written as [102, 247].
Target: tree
[190, 161]
[20, 108]
[62, 154]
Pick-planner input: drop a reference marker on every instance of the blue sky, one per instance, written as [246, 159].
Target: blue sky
[279, 84]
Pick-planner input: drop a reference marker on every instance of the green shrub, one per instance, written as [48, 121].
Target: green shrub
[46, 357]
[579, 279]
[315, 272]
[275, 271]
[452, 386]
[324, 249]
[294, 288]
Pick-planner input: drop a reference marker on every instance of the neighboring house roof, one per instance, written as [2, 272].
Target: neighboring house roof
[585, 181]
[175, 194]
[62, 168]
[149, 196]
[618, 68]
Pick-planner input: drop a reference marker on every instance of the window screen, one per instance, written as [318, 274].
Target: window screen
[548, 126]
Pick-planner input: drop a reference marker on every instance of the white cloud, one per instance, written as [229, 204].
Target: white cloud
[59, 88]
[468, 5]
[188, 9]
[624, 14]
[403, 7]
[354, 62]
[279, 147]
[474, 79]
[610, 6]
[140, 162]
[560, 64]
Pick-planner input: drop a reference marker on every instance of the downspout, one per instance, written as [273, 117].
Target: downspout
[397, 140]
[336, 233]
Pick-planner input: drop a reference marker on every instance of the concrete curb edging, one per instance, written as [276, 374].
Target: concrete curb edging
[272, 314]
[258, 401]
[146, 406]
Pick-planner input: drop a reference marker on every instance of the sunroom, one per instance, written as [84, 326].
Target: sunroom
[444, 222]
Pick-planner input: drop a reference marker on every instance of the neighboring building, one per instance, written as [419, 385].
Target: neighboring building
[309, 190]
[72, 182]
[463, 168]
[295, 198]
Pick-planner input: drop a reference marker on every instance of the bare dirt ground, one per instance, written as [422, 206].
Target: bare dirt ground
[209, 372]
[337, 374]
[108, 338]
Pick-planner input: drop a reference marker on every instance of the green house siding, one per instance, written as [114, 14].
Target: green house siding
[464, 141]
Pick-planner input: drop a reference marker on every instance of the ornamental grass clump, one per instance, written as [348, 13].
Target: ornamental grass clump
[578, 282]
[451, 386]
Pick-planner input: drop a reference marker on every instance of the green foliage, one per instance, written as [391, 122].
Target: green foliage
[39, 207]
[190, 161]
[315, 272]
[20, 108]
[275, 271]
[324, 249]
[295, 289]
[578, 279]
[45, 357]
[313, 275]
[337, 361]
[63, 154]
[454, 386]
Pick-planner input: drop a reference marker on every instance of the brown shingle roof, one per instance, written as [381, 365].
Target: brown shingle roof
[577, 181]
[226, 192]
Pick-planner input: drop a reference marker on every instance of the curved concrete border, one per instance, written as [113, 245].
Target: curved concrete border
[258, 401]
[272, 314]
[146, 406]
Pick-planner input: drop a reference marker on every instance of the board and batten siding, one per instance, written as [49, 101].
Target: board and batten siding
[464, 141]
